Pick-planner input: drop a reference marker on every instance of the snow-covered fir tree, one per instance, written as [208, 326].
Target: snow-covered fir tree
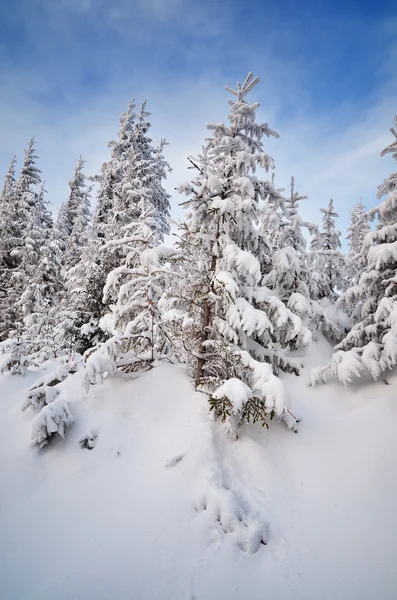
[77, 328]
[371, 345]
[357, 230]
[133, 289]
[229, 326]
[134, 162]
[136, 289]
[19, 249]
[74, 217]
[7, 225]
[328, 261]
[291, 273]
[7, 197]
[43, 283]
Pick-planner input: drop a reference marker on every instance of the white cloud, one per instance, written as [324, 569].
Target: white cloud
[327, 157]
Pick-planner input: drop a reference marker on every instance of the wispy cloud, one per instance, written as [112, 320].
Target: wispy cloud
[70, 93]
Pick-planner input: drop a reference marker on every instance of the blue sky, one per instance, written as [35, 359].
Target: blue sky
[328, 83]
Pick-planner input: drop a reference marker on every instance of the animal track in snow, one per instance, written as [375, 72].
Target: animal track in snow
[232, 516]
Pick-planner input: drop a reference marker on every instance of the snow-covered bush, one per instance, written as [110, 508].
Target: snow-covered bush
[87, 440]
[53, 418]
[100, 362]
[44, 390]
[15, 359]
[234, 402]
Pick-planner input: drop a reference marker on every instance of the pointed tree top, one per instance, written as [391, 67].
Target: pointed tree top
[330, 210]
[243, 89]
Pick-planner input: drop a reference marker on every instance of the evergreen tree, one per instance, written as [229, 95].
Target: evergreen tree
[358, 229]
[328, 260]
[7, 225]
[74, 217]
[371, 345]
[228, 324]
[77, 328]
[40, 273]
[291, 272]
[135, 286]
[133, 164]
[20, 251]
[7, 198]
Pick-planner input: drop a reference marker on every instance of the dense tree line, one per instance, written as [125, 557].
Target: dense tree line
[247, 283]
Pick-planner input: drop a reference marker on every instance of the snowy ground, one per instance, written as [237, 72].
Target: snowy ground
[166, 507]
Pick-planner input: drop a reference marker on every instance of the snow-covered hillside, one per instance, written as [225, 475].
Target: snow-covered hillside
[166, 506]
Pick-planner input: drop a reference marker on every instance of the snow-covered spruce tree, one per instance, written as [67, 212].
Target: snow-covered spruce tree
[7, 197]
[371, 345]
[131, 221]
[230, 327]
[161, 199]
[112, 210]
[133, 162]
[19, 250]
[74, 217]
[77, 328]
[328, 259]
[7, 226]
[140, 284]
[358, 229]
[42, 276]
[133, 289]
[269, 227]
[291, 273]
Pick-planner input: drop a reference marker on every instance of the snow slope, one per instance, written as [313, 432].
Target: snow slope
[165, 506]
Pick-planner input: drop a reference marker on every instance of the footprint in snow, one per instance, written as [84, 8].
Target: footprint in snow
[227, 513]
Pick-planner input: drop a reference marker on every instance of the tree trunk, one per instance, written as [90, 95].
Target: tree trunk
[204, 335]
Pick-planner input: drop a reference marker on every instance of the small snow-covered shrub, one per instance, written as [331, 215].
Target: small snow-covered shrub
[236, 403]
[100, 363]
[44, 390]
[53, 418]
[15, 360]
[88, 440]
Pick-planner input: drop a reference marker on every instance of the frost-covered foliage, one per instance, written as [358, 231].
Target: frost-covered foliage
[371, 345]
[218, 308]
